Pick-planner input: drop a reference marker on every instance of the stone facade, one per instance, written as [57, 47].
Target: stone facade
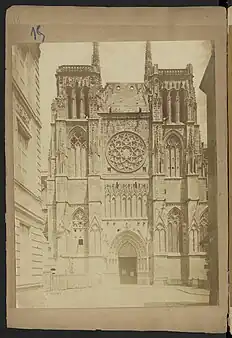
[29, 223]
[126, 188]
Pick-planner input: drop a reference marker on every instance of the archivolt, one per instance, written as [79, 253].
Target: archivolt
[131, 237]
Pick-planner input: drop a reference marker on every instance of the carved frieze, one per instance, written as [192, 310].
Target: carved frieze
[118, 189]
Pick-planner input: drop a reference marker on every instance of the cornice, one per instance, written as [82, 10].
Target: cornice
[28, 213]
[23, 187]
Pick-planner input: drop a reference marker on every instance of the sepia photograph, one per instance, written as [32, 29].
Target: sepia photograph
[116, 169]
[114, 178]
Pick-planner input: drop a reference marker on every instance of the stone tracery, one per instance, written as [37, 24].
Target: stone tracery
[160, 238]
[77, 153]
[173, 156]
[126, 152]
[79, 219]
[126, 200]
[174, 230]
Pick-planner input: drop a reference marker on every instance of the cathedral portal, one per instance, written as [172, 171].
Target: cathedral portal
[129, 252]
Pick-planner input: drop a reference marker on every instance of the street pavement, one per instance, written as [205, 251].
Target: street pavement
[118, 296]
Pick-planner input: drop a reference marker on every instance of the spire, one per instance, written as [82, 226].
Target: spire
[96, 57]
[148, 60]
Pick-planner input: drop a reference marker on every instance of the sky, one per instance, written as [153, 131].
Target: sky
[120, 62]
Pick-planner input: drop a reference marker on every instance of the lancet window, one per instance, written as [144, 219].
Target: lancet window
[140, 207]
[194, 239]
[126, 200]
[183, 106]
[198, 235]
[124, 206]
[86, 100]
[173, 156]
[95, 238]
[160, 239]
[114, 207]
[173, 106]
[203, 230]
[107, 206]
[174, 230]
[78, 153]
[165, 103]
[78, 95]
[130, 207]
[70, 102]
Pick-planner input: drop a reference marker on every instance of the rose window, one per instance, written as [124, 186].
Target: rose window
[126, 152]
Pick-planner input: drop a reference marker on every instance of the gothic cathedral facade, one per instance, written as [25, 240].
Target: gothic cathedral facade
[127, 177]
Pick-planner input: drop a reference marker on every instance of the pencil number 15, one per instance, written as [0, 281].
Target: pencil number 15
[37, 34]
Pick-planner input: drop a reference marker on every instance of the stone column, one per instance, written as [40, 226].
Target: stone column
[177, 108]
[169, 107]
[74, 104]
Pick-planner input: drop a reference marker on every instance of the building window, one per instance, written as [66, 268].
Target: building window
[183, 106]
[22, 155]
[114, 208]
[173, 156]
[80, 241]
[194, 240]
[139, 207]
[165, 103]
[203, 229]
[174, 230]
[198, 235]
[124, 206]
[78, 154]
[160, 239]
[173, 105]
[130, 206]
[108, 206]
[70, 103]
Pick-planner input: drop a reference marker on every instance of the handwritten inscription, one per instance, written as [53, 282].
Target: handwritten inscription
[37, 34]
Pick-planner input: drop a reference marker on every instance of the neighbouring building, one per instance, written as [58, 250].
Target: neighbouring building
[29, 222]
[211, 242]
[127, 181]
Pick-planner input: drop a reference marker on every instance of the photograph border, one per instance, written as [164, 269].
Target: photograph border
[123, 24]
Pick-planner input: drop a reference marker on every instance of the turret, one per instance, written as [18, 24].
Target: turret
[96, 58]
[148, 61]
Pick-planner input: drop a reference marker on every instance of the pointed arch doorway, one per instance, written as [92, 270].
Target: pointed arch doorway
[127, 263]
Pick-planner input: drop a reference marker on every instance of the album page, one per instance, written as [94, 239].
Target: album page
[116, 168]
[230, 155]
